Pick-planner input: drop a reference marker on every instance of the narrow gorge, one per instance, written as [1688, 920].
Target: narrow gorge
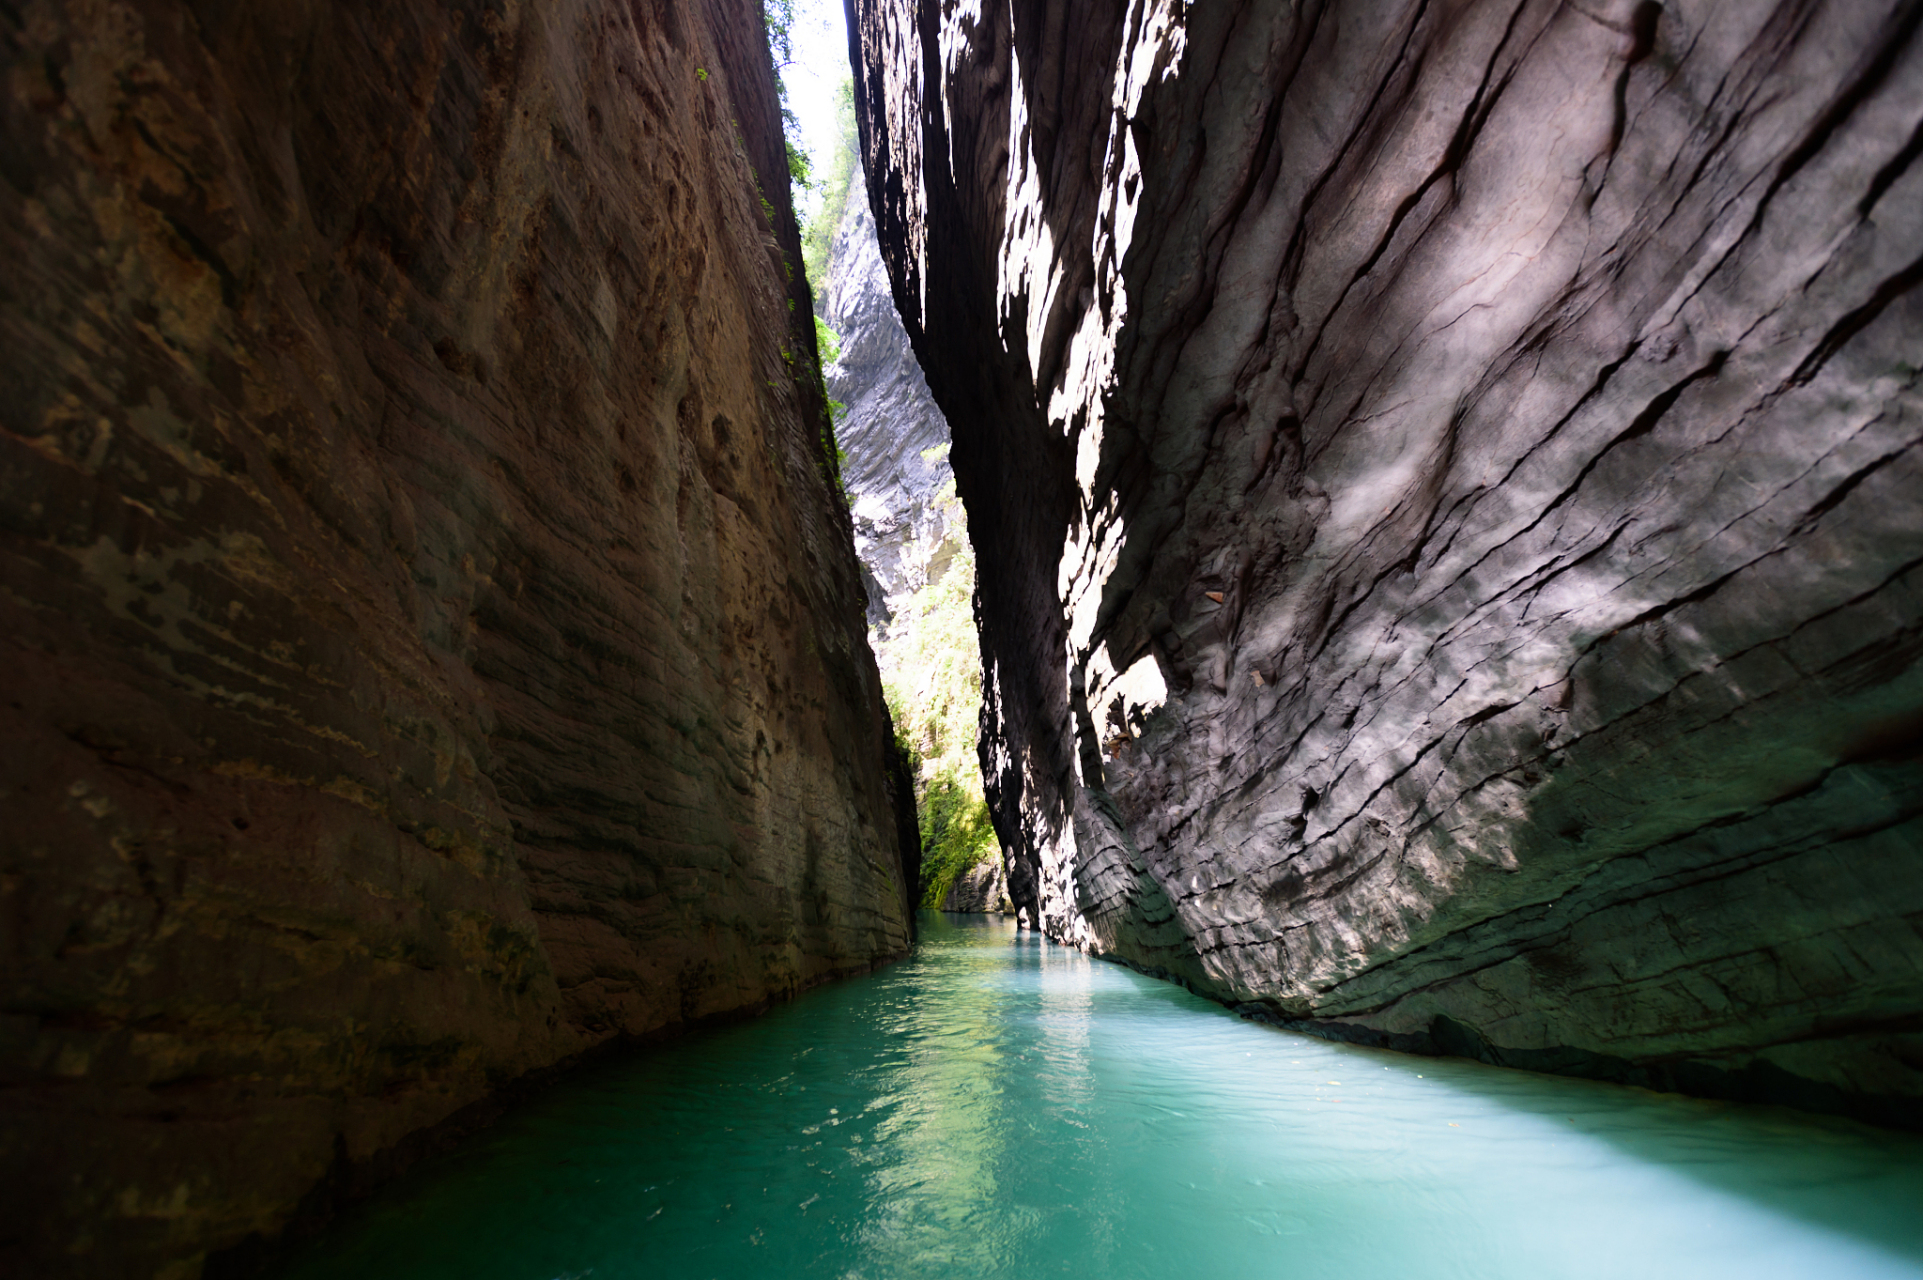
[1403, 518]
[912, 538]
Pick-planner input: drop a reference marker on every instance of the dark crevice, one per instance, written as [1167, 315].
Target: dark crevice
[1642, 42]
[1596, 388]
[1292, 257]
[1474, 116]
[1856, 321]
[1886, 176]
[1843, 106]
[1640, 426]
[1843, 490]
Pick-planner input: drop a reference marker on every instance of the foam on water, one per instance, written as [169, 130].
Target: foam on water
[1000, 1106]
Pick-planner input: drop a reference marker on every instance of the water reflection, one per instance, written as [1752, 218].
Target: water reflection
[1001, 1106]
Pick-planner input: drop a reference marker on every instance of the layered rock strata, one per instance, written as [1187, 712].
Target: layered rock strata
[434, 644]
[895, 440]
[1449, 507]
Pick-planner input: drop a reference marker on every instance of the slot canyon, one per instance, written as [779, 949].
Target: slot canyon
[1442, 482]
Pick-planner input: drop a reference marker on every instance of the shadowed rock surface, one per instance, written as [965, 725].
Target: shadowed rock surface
[983, 887]
[892, 428]
[1446, 486]
[434, 646]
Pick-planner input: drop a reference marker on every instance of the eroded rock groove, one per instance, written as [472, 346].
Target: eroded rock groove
[1445, 480]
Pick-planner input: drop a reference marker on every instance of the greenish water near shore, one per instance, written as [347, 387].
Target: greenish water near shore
[1000, 1106]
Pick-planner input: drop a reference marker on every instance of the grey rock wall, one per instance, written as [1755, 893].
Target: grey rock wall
[1448, 495]
[980, 889]
[895, 440]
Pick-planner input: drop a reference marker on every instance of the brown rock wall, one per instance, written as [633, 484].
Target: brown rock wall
[433, 647]
[1448, 491]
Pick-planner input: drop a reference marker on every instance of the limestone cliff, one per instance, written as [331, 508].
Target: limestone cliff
[434, 645]
[1449, 507]
[982, 888]
[896, 470]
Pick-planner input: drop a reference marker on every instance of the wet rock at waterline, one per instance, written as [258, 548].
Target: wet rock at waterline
[435, 646]
[893, 437]
[1445, 482]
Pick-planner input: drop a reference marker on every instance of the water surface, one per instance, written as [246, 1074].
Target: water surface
[1001, 1106]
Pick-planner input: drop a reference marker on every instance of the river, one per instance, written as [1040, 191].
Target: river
[997, 1105]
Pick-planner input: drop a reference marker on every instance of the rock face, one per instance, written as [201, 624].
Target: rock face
[1449, 507]
[983, 888]
[894, 437]
[434, 645]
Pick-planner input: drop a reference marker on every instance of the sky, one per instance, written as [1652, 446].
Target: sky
[820, 41]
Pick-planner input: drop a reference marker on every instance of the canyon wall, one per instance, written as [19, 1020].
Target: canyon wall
[1447, 493]
[981, 889]
[894, 437]
[434, 644]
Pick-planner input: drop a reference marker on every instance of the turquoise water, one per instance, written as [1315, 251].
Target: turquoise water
[1000, 1106]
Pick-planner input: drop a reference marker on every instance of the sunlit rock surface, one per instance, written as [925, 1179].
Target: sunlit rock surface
[896, 442]
[1446, 486]
[433, 643]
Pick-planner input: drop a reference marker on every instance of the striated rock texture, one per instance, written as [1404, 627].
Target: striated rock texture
[895, 439]
[433, 643]
[982, 888]
[1449, 504]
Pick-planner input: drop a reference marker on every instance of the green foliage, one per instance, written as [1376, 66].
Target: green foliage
[956, 837]
[932, 676]
[818, 237]
[834, 457]
[800, 168]
[779, 17]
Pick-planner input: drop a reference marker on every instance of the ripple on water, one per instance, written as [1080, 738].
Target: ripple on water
[998, 1106]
